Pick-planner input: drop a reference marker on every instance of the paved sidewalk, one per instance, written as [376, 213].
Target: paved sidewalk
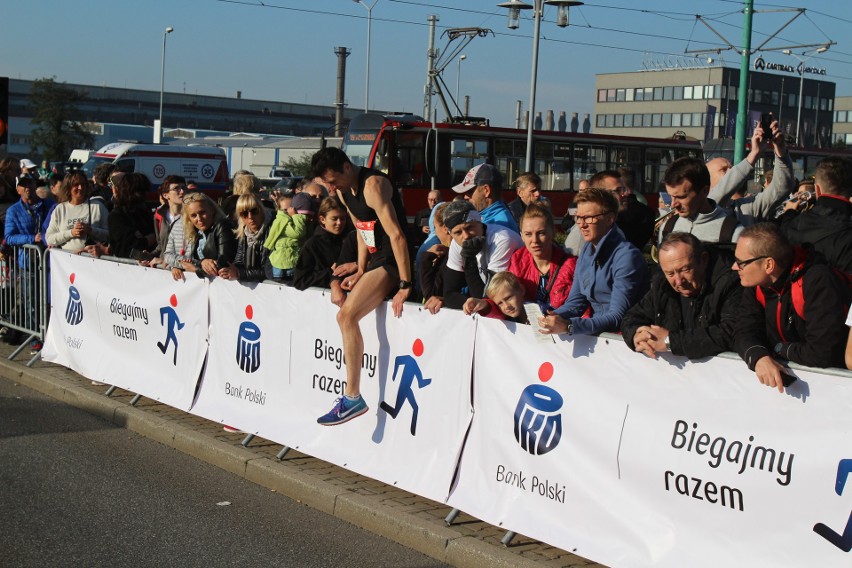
[385, 510]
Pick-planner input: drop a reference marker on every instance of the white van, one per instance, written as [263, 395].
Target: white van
[206, 166]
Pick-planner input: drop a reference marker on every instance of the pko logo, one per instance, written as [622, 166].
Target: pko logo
[248, 344]
[74, 308]
[538, 424]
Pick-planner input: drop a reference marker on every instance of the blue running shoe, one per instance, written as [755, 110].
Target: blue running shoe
[344, 410]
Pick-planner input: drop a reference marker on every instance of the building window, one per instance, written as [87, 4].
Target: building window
[658, 93]
[733, 93]
[724, 91]
[849, 139]
[677, 93]
[646, 120]
[808, 102]
[600, 120]
[619, 95]
[758, 96]
[830, 104]
[601, 95]
[686, 119]
[698, 92]
[610, 95]
[639, 94]
[667, 93]
[841, 116]
[687, 93]
[791, 99]
[697, 119]
[667, 119]
[637, 120]
[619, 121]
[776, 98]
[823, 104]
[649, 93]
[628, 95]
[628, 121]
[610, 120]
[656, 120]
[717, 91]
[676, 119]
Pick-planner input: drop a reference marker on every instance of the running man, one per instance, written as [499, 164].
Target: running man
[375, 206]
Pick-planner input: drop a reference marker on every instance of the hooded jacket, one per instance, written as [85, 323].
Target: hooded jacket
[827, 227]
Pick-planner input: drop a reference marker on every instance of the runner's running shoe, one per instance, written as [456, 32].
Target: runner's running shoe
[344, 410]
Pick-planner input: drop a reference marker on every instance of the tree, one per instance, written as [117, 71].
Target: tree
[56, 133]
[299, 166]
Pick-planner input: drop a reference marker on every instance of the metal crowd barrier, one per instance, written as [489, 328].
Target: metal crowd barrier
[24, 297]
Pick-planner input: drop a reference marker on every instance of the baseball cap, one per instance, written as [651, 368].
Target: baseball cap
[480, 175]
[27, 163]
[459, 212]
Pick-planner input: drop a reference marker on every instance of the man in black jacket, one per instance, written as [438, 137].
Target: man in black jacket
[793, 306]
[828, 225]
[692, 305]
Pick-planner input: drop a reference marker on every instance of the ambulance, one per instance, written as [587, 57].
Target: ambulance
[206, 166]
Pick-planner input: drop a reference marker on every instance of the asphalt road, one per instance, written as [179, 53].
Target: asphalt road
[78, 491]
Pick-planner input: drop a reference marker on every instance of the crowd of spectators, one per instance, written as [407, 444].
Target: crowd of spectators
[765, 274]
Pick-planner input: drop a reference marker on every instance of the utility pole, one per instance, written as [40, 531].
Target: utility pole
[431, 56]
[742, 95]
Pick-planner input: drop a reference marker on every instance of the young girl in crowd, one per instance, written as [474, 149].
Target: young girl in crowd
[331, 245]
[288, 233]
[505, 299]
[209, 235]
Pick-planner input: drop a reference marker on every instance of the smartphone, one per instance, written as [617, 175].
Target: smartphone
[787, 378]
[137, 254]
[766, 124]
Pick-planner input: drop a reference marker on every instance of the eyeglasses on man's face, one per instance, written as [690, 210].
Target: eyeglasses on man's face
[589, 219]
[743, 263]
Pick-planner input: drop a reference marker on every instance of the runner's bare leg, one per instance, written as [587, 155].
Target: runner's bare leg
[369, 292]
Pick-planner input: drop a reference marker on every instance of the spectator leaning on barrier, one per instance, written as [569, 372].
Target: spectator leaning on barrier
[77, 220]
[693, 303]
[433, 262]
[167, 215]
[483, 187]
[251, 257]
[611, 273]
[727, 190]
[688, 183]
[477, 252]
[504, 300]
[793, 308]
[528, 189]
[827, 226]
[210, 237]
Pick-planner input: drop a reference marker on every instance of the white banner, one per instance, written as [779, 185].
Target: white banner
[275, 372]
[634, 462]
[128, 326]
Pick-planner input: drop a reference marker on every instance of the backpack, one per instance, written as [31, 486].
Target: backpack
[797, 282]
[726, 234]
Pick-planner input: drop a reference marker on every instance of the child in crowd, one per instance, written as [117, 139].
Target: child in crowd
[505, 299]
[289, 231]
[331, 245]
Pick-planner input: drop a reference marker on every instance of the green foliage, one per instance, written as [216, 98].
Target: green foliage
[299, 166]
[55, 133]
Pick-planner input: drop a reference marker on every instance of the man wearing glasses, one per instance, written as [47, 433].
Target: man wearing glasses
[793, 307]
[611, 273]
[692, 306]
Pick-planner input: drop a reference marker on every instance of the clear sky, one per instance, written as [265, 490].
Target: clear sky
[283, 49]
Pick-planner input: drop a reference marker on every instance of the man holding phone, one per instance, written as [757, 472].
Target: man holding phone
[729, 191]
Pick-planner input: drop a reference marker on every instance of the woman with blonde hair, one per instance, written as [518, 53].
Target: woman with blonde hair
[251, 232]
[209, 235]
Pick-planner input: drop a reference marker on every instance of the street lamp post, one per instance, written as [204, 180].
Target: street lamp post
[805, 56]
[458, 77]
[369, 8]
[515, 7]
[159, 133]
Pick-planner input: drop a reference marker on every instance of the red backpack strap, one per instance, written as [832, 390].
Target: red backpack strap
[758, 292]
[797, 291]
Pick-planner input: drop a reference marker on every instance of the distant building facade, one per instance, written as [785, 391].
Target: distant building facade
[112, 113]
[701, 102]
[843, 120]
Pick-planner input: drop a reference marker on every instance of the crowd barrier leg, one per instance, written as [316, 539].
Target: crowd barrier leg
[507, 538]
[135, 399]
[247, 440]
[452, 516]
[282, 453]
[110, 390]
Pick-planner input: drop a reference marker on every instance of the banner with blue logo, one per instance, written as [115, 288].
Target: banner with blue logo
[128, 326]
[629, 461]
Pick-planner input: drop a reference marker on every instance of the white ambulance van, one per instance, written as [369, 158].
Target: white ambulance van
[206, 166]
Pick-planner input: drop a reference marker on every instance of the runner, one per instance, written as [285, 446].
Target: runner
[376, 209]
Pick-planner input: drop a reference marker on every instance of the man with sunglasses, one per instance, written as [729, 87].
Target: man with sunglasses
[793, 306]
[611, 273]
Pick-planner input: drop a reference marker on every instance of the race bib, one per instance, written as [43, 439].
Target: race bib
[367, 230]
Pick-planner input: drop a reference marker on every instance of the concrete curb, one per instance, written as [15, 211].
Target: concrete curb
[442, 543]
